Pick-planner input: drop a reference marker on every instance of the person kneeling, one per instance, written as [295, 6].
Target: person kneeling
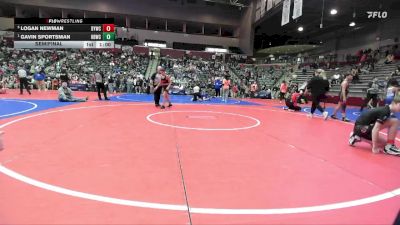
[196, 94]
[369, 124]
[292, 102]
[65, 94]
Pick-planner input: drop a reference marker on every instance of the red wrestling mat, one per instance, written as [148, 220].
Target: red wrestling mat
[115, 163]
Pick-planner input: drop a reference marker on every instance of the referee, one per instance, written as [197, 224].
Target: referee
[318, 86]
[155, 81]
[99, 77]
[23, 81]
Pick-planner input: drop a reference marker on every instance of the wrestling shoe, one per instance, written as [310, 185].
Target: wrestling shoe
[353, 139]
[391, 149]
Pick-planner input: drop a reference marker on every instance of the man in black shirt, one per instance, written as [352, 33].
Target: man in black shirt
[369, 124]
[64, 77]
[318, 86]
[155, 81]
[99, 78]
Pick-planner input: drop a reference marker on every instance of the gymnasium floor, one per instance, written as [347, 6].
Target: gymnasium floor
[243, 162]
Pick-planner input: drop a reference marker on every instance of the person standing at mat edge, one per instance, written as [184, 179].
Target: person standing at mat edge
[164, 85]
[343, 94]
[155, 81]
[318, 86]
[370, 123]
[226, 88]
[100, 85]
[23, 81]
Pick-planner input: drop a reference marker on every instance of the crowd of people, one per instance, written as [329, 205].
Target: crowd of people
[122, 71]
[33, 62]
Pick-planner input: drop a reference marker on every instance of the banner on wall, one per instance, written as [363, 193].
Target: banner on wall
[269, 4]
[285, 12]
[297, 9]
[263, 2]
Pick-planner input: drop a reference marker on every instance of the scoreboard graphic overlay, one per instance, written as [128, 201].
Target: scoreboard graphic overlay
[64, 33]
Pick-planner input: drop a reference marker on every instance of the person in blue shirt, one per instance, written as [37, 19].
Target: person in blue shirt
[39, 79]
[217, 87]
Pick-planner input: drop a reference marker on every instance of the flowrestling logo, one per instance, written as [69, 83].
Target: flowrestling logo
[377, 14]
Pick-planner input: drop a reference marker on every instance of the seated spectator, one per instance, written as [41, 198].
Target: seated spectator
[304, 71]
[355, 72]
[336, 79]
[389, 59]
[396, 73]
[65, 94]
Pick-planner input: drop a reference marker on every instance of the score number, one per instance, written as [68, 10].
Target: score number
[108, 36]
[108, 32]
[108, 27]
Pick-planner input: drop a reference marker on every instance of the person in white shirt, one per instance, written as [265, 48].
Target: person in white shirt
[196, 93]
[23, 81]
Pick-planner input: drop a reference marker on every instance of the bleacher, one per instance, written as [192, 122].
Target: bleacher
[266, 76]
[381, 71]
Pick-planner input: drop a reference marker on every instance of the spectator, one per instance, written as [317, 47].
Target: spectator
[253, 89]
[217, 87]
[3, 89]
[110, 82]
[235, 91]
[40, 80]
[389, 59]
[54, 84]
[372, 95]
[129, 84]
[226, 85]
